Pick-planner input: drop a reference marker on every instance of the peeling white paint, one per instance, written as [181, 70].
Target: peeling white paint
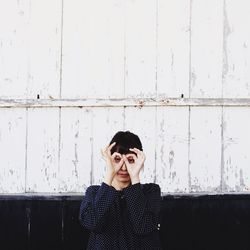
[205, 148]
[174, 72]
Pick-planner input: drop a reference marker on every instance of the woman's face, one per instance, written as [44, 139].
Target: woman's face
[123, 175]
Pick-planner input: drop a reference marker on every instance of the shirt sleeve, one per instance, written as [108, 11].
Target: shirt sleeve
[144, 207]
[95, 206]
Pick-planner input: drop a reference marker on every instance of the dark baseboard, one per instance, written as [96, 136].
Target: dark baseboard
[207, 222]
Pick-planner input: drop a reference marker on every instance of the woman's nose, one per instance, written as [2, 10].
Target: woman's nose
[124, 166]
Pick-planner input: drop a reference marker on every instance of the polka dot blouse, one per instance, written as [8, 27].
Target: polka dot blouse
[126, 219]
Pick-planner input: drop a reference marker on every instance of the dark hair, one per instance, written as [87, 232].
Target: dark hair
[124, 141]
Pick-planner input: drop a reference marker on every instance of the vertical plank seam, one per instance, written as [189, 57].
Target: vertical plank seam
[124, 118]
[26, 151]
[189, 139]
[60, 96]
[156, 140]
[223, 51]
[125, 49]
[225, 56]
[59, 146]
[156, 48]
[190, 45]
[189, 82]
[224, 70]
[92, 148]
[61, 56]
[156, 85]
[222, 151]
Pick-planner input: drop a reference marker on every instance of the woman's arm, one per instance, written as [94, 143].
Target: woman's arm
[143, 207]
[95, 206]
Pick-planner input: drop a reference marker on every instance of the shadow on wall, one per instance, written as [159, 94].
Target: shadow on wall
[187, 222]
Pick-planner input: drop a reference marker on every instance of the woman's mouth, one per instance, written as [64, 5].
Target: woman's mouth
[123, 174]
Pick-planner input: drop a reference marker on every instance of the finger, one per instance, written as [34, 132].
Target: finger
[104, 156]
[133, 156]
[103, 152]
[128, 165]
[139, 153]
[125, 159]
[116, 154]
[121, 163]
[136, 150]
[108, 149]
[111, 146]
[142, 157]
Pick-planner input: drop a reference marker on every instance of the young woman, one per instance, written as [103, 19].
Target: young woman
[122, 213]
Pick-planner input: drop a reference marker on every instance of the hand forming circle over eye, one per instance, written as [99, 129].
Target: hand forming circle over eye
[135, 166]
[113, 165]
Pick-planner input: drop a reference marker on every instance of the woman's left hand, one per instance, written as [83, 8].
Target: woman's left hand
[135, 167]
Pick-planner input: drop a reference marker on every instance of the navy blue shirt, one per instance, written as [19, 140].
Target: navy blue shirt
[126, 219]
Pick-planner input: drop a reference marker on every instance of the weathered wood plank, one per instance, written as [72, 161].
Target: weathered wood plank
[44, 49]
[173, 48]
[172, 149]
[236, 71]
[12, 148]
[75, 149]
[93, 49]
[142, 123]
[206, 48]
[42, 150]
[236, 145]
[14, 18]
[140, 48]
[30, 49]
[205, 149]
[106, 122]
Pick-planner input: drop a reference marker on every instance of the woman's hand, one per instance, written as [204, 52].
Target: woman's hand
[134, 167]
[113, 166]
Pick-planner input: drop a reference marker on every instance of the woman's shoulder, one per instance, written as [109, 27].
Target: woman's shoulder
[95, 188]
[150, 187]
[92, 188]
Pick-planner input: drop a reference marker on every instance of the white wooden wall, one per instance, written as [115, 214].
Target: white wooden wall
[74, 72]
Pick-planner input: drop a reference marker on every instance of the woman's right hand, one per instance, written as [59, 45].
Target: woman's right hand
[114, 163]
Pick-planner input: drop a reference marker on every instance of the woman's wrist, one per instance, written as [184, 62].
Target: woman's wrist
[135, 179]
[109, 178]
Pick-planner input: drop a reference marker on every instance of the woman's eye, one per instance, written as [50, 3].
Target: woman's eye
[131, 160]
[117, 159]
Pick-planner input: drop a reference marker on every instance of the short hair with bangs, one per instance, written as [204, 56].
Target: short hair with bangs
[124, 141]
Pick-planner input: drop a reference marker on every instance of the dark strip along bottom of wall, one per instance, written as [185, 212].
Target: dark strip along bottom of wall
[208, 222]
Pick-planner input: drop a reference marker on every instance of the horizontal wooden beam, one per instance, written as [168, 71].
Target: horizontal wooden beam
[126, 102]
